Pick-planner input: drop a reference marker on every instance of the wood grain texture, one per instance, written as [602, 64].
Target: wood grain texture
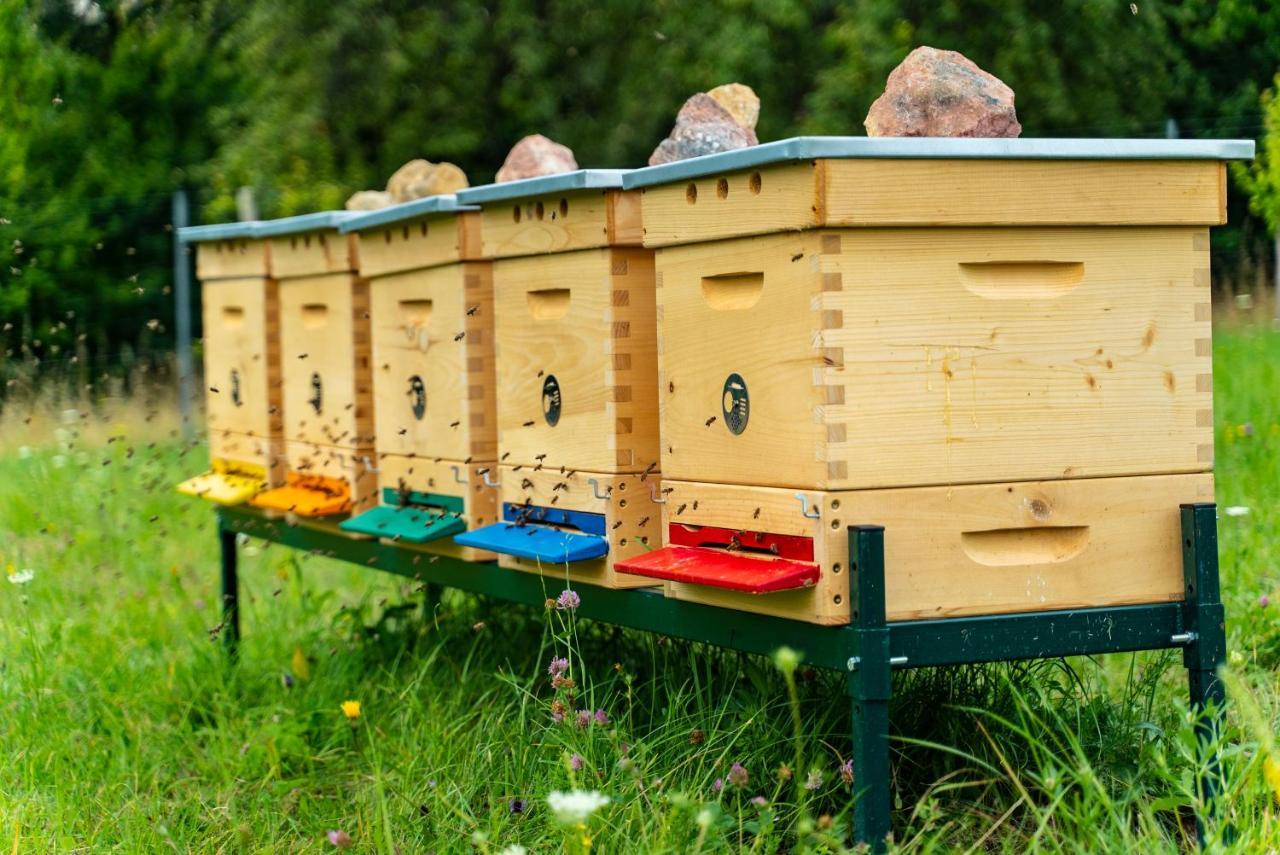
[632, 519]
[867, 192]
[450, 478]
[881, 358]
[232, 259]
[313, 254]
[415, 244]
[587, 319]
[242, 356]
[435, 327]
[560, 222]
[969, 550]
[344, 463]
[324, 335]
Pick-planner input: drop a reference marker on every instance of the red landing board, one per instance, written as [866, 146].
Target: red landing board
[716, 568]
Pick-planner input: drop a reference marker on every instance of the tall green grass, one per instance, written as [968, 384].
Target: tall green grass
[124, 729]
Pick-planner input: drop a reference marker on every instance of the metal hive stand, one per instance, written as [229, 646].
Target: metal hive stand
[867, 650]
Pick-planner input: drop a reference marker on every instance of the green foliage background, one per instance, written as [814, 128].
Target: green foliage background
[107, 107]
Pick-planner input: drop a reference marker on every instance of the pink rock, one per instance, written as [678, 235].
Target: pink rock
[703, 126]
[941, 93]
[536, 155]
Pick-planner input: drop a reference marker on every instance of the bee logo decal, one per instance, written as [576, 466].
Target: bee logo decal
[735, 404]
[551, 400]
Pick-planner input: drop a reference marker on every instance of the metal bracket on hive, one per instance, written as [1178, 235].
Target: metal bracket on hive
[226, 483]
[540, 533]
[747, 561]
[411, 517]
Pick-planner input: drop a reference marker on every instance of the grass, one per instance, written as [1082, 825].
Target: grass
[123, 728]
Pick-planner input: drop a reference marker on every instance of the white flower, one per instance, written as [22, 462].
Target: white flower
[514, 849]
[21, 577]
[24, 452]
[1235, 510]
[58, 460]
[575, 806]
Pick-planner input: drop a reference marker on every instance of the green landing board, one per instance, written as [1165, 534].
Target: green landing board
[408, 523]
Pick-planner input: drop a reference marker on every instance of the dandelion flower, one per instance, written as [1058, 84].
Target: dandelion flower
[575, 806]
[568, 600]
[738, 776]
[351, 709]
[20, 577]
[341, 839]
[1271, 771]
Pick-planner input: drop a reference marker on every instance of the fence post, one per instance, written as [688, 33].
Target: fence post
[182, 307]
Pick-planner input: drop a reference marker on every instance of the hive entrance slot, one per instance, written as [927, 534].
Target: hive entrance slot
[727, 292]
[232, 317]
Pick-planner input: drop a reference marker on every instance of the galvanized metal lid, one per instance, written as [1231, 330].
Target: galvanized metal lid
[445, 203]
[218, 231]
[318, 221]
[814, 148]
[565, 182]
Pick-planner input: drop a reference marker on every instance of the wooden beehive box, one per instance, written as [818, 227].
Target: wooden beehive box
[431, 308]
[325, 368]
[576, 354]
[241, 362]
[852, 314]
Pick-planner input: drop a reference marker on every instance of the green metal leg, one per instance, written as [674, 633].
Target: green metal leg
[869, 687]
[430, 601]
[1204, 652]
[230, 590]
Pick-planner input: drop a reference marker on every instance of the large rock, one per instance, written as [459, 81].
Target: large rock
[369, 200]
[941, 93]
[419, 178]
[740, 100]
[703, 126]
[536, 155]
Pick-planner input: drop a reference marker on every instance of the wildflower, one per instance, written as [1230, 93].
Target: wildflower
[478, 626]
[558, 667]
[846, 772]
[786, 659]
[738, 775]
[550, 603]
[704, 818]
[1246, 429]
[286, 680]
[760, 801]
[20, 577]
[24, 452]
[1271, 771]
[351, 709]
[824, 822]
[1236, 658]
[1264, 601]
[341, 839]
[1235, 510]
[568, 600]
[517, 805]
[814, 781]
[784, 772]
[300, 665]
[718, 785]
[602, 717]
[584, 718]
[514, 849]
[575, 806]
[576, 762]
[696, 736]
[557, 712]
[58, 461]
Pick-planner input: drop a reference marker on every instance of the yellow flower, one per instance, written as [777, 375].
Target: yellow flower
[1271, 771]
[302, 670]
[351, 709]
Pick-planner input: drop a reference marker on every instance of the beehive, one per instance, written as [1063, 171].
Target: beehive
[241, 363]
[907, 329]
[576, 373]
[431, 307]
[324, 354]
